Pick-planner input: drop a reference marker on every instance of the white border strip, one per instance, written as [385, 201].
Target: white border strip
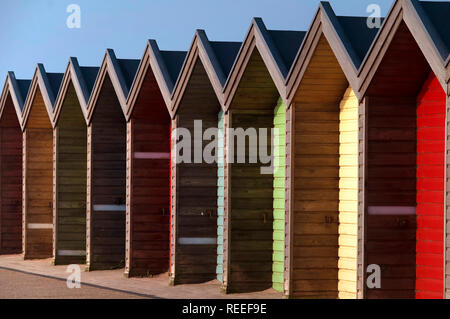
[197, 240]
[110, 208]
[151, 155]
[63, 252]
[391, 210]
[39, 226]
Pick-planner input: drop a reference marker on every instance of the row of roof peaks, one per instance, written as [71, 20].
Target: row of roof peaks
[281, 50]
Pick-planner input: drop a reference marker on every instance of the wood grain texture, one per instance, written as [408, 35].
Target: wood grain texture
[10, 181]
[38, 181]
[316, 193]
[391, 181]
[249, 257]
[70, 145]
[148, 183]
[195, 186]
[106, 182]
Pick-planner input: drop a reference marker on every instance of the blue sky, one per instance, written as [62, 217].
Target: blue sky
[36, 32]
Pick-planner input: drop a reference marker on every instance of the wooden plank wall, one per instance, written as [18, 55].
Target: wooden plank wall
[391, 239]
[220, 194]
[10, 181]
[148, 184]
[106, 182]
[316, 173]
[390, 181]
[70, 145]
[431, 106]
[250, 213]
[38, 182]
[196, 188]
[348, 195]
[279, 122]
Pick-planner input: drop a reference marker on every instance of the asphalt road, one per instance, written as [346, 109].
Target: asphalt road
[16, 285]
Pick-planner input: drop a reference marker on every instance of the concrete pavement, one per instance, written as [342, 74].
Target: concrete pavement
[40, 279]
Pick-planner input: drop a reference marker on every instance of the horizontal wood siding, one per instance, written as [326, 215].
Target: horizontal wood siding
[348, 195]
[279, 122]
[70, 188]
[316, 177]
[250, 255]
[149, 187]
[431, 106]
[10, 181]
[220, 195]
[391, 181]
[38, 183]
[196, 186]
[107, 181]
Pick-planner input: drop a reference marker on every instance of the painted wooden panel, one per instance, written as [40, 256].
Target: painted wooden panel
[249, 257]
[391, 183]
[10, 181]
[220, 194]
[315, 178]
[279, 123]
[431, 106]
[148, 169]
[348, 195]
[106, 183]
[195, 186]
[38, 182]
[70, 182]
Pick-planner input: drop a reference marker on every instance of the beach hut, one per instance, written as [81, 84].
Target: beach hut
[70, 164]
[38, 164]
[106, 164]
[148, 161]
[11, 106]
[403, 154]
[254, 100]
[196, 239]
[322, 159]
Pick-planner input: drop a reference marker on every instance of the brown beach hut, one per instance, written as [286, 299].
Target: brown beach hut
[322, 158]
[403, 140]
[11, 106]
[106, 164]
[254, 100]
[196, 239]
[148, 161]
[38, 164]
[70, 164]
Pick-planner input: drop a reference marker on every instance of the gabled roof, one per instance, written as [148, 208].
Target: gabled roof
[349, 39]
[166, 67]
[49, 84]
[121, 72]
[277, 48]
[427, 22]
[18, 89]
[83, 79]
[217, 57]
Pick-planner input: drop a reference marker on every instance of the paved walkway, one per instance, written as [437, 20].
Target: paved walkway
[39, 279]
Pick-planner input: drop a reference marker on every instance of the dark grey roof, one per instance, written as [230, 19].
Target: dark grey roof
[129, 68]
[23, 86]
[438, 14]
[55, 80]
[358, 34]
[89, 74]
[226, 53]
[173, 61]
[288, 43]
